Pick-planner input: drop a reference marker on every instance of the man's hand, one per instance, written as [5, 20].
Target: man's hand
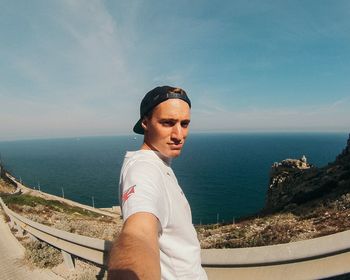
[135, 253]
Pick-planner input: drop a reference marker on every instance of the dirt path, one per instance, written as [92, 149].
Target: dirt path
[11, 252]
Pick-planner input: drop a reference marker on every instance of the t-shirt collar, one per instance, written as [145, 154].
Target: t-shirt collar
[166, 160]
[157, 155]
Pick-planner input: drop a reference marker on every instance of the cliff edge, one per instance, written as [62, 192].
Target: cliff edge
[295, 182]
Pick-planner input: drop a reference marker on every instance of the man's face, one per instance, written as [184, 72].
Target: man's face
[166, 130]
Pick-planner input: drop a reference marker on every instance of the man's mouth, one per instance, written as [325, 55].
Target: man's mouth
[175, 146]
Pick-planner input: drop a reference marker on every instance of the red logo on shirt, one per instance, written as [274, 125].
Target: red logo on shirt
[128, 193]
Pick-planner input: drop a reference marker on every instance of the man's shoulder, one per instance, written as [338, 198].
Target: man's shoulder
[142, 162]
[140, 157]
[142, 171]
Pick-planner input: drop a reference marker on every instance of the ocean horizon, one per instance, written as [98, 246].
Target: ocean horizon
[224, 175]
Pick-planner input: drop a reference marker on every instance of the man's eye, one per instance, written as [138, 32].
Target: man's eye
[185, 124]
[167, 123]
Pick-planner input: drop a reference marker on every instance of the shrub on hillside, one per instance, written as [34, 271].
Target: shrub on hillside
[5, 216]
[42, 255]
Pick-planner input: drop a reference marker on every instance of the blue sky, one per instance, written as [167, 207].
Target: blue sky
[80, 68]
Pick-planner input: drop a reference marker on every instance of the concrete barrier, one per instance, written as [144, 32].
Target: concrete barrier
[316, 258]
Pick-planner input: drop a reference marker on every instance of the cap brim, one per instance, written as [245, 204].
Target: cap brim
[138, 127]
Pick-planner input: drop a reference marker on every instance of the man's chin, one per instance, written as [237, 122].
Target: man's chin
[174, 153]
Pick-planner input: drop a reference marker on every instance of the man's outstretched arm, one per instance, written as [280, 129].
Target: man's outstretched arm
[135, 253]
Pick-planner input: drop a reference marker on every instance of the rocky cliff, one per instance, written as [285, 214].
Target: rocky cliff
[303, 202]
[294, 182]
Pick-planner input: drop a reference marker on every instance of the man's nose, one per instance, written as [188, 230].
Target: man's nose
[177, 132]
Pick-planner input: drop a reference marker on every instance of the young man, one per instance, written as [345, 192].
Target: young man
[158, 240]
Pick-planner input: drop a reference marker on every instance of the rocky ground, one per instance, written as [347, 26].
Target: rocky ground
[308, 221]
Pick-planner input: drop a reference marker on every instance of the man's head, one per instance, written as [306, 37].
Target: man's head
[164, 120]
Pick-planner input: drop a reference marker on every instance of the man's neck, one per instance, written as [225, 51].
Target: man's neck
[149, 147]
[146, 146]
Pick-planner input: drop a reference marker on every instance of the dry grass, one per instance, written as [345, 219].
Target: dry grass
[103, 228]
[282, 228]
[84, 270]
[41, 255]
[5, 216]
[315, 219]
[61, 216]
[6, 188]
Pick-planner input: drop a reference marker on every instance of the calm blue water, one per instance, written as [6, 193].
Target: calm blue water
[222, 175]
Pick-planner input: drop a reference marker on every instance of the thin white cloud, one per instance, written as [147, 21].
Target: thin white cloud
[79, 83]
[340, 103]
[86, 61]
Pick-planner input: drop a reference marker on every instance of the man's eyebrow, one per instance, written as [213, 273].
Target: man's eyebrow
[169, 119]
[174, 120]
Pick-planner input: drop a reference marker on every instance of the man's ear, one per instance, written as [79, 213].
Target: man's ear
[144, 124]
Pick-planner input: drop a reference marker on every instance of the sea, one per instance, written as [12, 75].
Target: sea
[225, 176]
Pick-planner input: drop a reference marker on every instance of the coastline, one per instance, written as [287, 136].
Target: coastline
[113, 212]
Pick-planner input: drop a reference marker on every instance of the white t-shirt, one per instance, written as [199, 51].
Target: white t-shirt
[148, 184]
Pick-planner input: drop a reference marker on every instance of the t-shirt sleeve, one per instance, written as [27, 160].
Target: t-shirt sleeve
[142, 190]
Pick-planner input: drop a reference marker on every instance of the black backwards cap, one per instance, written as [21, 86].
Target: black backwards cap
[154, 98]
